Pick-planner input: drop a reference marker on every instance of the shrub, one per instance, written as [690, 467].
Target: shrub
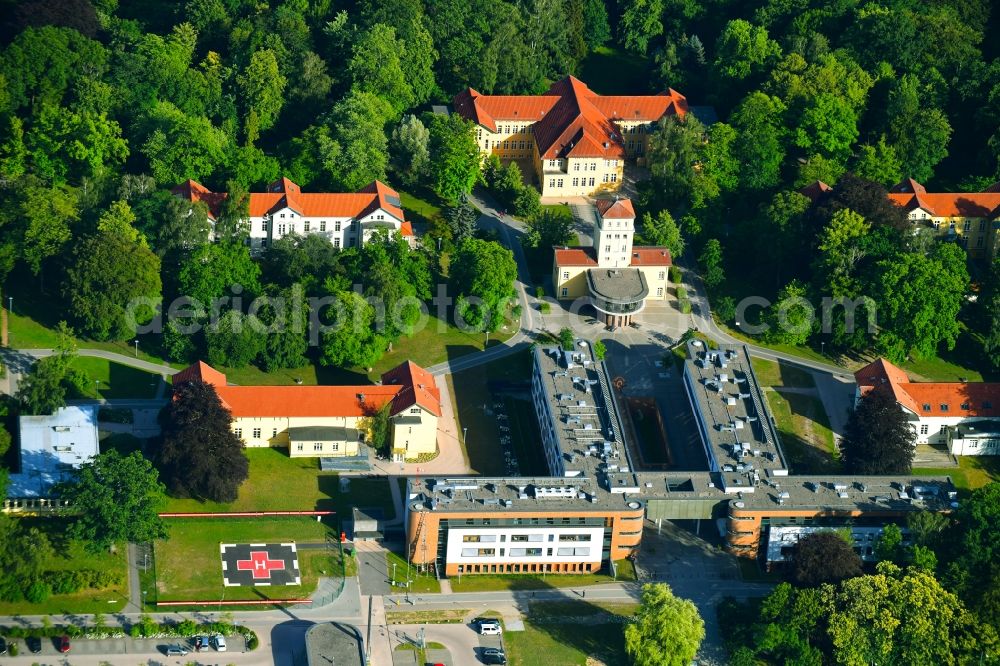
[675, 275]
[685, 306]
[545, 308]
[682, 293]
[600, 350]
[14, 650]
[539, 291]
[252, 641]
[566, 339]
[38, 592]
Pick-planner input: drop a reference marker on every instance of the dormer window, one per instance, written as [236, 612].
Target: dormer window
[927, 407]
[965, 405]
[944, 407]
[282, 215]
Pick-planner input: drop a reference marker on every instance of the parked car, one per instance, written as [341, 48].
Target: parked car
[494, 656]
[34, 644]
[3, 646]
[220, 642]
[201, 643]
[490, 628]
[176, 651]
[64, 644]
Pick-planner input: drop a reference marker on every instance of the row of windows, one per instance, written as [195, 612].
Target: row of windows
[526, 552]
[964, 406]
[256, 433]
[966, 224]
[593, 166]
[307, 225]
[580, 520]
[318, 447]
[570, 567]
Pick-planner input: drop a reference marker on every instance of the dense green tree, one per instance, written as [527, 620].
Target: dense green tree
[661, 230]
[483, 274]
[675, 151]
[112, 286]
[24, 551]
[666, 630]
[548, 229]
[355, 151]
[118, 499]
[397, 279]
[878, 438]
[304, 260]
[181, 146]
[989, 314]
[174, 226]
[455, 156]
[48, 215]
[878, 163]
[411, 150]
[841, 247]
[868, 199]
[234, 340]
[640, 24]
[13, 153]
[285, 343]
[313, 82]
[919, 300]
[352, 339]
[63, 144]
[43, 389]
[200, 457]
[219, 271]
[744, 49]
[829, 126]
[375, 68]
[818, 168]
[791, 316]
[40, 64]
[596, 29]
[119, 220]
[527, 203]
[824, 557]
[710, 261]
[918, 132]
[889, 547]
[759, 145]
[261, 87]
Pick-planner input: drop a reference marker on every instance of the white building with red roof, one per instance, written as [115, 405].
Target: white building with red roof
[329, 421]
[576, 140]
[346, 220]
[615, 277]
[963, 416]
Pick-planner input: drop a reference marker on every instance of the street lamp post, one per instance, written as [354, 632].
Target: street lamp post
[394, 574]
[144, 601]
[465, 434]
[822, 347]
[137, 347]
[10, 304]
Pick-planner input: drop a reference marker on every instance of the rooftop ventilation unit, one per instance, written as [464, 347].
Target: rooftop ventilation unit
[784, 494]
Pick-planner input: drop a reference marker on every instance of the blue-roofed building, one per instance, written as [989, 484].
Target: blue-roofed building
[52, 447]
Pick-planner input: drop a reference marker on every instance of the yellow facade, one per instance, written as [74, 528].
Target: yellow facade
[571, 281]
[414, 433]
[977, 235]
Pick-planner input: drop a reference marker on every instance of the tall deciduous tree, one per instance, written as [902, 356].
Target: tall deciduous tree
[201, 457]
[878, 438]
[710, 261]
[118, 499]
[989, 314]
[918, 131]
[113, 285]
[262, 88]
[358, 150]
[549, 229]
[43, 390]
[879, 163]
[640, 24]
[485, 271]
[666, 631]
[352, 338]
[375, 68]
[455, 157]
[791, 317]
[48, 215]
[828, 126]
[214, 270]
[661, 230]
[181, 146]
[234, 340]
[759, 145]
[744, 49]
[596, 29]
[411, 150]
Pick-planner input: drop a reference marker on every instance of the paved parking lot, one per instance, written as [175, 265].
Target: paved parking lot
[82, 647]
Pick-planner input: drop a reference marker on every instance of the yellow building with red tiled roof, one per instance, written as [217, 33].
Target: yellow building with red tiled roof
[576, 140]
[970, 218]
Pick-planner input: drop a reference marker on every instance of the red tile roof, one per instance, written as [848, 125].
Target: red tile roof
[575, 256]
[650, 256]
[570, 120]
[908, 185]
[950, 204]
[584, 256]
[616, 209]
[815, 190]
[192, 191]
[413, 385]
[963, 399]
[283, 193]
[418, 388]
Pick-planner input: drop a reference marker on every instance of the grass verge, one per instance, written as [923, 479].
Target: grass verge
[420, 583]
[483, 583]
[280, 483]
[771, 373]
[188, 564]
[114, 380]
[806, 437]
[972, 472]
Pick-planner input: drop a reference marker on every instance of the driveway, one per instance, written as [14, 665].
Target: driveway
[460, 641]
[372, 573]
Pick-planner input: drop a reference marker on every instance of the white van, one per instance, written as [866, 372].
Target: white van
[490, 628]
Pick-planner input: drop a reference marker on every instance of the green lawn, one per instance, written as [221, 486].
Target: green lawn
[116, 380]
[474, 409]
[771, 373]
[805, 432]
[972, 472]
[280, 483]
[421, 583]
[483, 583]
[544, 643]
[964, 362]
[801, 352]
[188, 564]
[419, 208]
[69, 556]
[122, 442]
[611, 71]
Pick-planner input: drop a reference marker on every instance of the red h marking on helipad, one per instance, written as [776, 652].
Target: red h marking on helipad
[260, 564]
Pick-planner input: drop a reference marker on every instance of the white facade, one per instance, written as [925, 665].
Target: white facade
[613, 242]
[340, 231]
[525, 545]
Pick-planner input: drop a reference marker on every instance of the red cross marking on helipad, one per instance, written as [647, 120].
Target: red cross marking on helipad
[260, 564]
